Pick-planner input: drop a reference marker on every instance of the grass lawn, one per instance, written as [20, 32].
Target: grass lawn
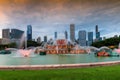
[92, 73]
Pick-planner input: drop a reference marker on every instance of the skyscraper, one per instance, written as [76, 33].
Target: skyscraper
[98, 38]
[29, 32]
[66, 35]
[45, 38]
[6, 33]
[39, 40]
[96, 28]
[90, 38]
[82, 37]
[97, 35]
[97, 32]
[72, 32]
[16, 34]
[55, 35]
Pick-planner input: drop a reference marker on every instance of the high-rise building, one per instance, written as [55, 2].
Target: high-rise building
[97, 32]
[39, 40]
[66, 35]
[13, 35]
[29, 32]
[82, 37]
[55, 35]
[98, 38]
[6, 33]
[45, 38]
[115, 36]
[104, 38]
[16, 34]
[72, 32]
[90, 38]
[97, 35]
[96, 28]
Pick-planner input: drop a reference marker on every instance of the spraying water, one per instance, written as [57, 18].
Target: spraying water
[23, 42]
[23, 51]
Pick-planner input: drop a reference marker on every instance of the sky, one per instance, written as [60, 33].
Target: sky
[48, 16]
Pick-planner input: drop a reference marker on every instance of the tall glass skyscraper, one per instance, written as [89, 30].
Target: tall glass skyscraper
[97, 32]
[72, 32]
[90, 38]
[82, 37]
[45, 38]
[16, 34]
[97, 35]
[29, 32]
[66, 35]
[96, 28]
[6, 33]
[98, 38]
[55, 35]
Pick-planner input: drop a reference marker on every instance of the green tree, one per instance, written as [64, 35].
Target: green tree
[108, 42]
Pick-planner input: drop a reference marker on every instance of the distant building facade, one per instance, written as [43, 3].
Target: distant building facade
[55, 35]
[6, 33]
[72, 32]
[39, 40]
[29, 32]
[98, 38]
[90, 38]
[11, 36]
[16, 34]
[45, 38]
[82, 37]
[66, 35]
[1, 41]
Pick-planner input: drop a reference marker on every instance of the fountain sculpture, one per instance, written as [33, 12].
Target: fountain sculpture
[61, 46]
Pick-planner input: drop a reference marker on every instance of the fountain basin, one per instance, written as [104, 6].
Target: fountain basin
[56, 66]
[53, 59]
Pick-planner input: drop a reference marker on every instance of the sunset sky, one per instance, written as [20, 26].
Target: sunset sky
[48, 16]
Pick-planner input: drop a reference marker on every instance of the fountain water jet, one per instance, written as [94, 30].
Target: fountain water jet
[117, 50]
[24, 52]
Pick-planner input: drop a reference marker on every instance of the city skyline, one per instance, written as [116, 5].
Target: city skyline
[56, 16]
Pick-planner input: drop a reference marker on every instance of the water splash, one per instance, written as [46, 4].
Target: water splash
[22, 41]
[25, 53]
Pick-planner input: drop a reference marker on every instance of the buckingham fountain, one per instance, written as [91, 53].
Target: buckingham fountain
[61, 46]
[57, 52]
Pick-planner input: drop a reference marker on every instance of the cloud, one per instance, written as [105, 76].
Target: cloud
[47, 16]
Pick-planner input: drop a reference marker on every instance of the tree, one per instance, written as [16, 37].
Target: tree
[32, 43]
[114, 41]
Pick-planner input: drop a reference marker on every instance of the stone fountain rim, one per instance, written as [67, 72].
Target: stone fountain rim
[57, 66]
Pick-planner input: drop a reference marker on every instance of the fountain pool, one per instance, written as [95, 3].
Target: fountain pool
[64, 53]
[52, 59]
